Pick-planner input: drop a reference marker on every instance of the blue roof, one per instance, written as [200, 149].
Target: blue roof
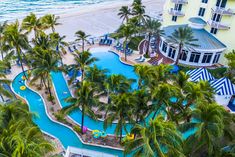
[205, 39]
[197, 20]
[223, 86]
[200, 74]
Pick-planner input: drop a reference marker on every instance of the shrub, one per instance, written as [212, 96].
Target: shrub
[77, 129]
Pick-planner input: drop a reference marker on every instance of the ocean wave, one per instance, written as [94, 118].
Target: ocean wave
[17, 9]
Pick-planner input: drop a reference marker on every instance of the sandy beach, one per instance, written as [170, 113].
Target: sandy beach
[99, 19]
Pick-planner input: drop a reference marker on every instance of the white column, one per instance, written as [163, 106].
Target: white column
[188, 56]
[212, 58]
[201, 57]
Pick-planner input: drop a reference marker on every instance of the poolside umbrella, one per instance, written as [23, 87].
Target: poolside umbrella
[200, 74]
[223, 87]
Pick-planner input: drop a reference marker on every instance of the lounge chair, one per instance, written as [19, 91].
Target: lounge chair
[139, 58]
[142, 60]
[101, 42]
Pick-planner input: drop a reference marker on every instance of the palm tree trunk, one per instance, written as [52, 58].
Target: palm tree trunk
[49, 89]
[22, 67]
[83, 45]
[149, 38]
[83, 115]
[179, 53]
[83, 75]
[120, 137]
[124, 49]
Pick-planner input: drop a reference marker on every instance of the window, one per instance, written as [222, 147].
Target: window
[217, 57]
[221, 3]
[216, 17]
[207, 58]
[194, 58]
[171, 53]
[214, 30]
[178, 7]
[201, 12]
[164, 47]
[183, 55]
[204, 1]
[174, 18]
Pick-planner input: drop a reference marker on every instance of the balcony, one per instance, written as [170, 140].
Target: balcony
[179, 1]
[174, 12]
[218, 25]
[223, 11]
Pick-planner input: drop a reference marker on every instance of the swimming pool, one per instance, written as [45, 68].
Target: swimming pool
[63, 133]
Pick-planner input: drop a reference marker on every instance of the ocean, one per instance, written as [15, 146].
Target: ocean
[17, 9]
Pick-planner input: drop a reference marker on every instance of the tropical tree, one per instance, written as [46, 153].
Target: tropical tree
[119, 110]
[2, 41]
[18, 134]
[82, 61]
[82, 36]
[158, 138]
[124, 13]
[138, 10]
[96, 75]
[153, 28]
[50, 20]
[85, 98]
[142, 108]
[18, 41]
[126, 31]
[184, 38]
[3, 81]
[209, 128]
[59, 44]
[44, 62]
[32, 23]
[144, 73]
[231, 63]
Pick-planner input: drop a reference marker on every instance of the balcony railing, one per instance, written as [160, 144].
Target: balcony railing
[174, 12]
[179, 1]
[223, 11]
[218, 25]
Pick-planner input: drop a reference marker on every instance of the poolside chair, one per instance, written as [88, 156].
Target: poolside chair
[101, 42]
[139, 58]
[141, 61]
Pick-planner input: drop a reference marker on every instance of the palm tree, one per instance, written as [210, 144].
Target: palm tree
[124, 13]
[183, 37]
[231, 63]
[18, 134]
[138, 10]
[85, 99]
[152, 27]
[32, 23]
[97, 76]
[17, 40]
[141, 109]
[119, 110]
[126, 31]
[82, 36]
[158, 138]
[3, 80]
[45, 62]
[50, 20]
[209, 124]
[143, 72]
[59, 44]
[2, 41]
[161, 95]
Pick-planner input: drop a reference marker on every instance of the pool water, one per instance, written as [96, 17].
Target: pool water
[107, 60]
[64, 134]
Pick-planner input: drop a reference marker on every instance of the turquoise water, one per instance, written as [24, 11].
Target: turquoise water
[17, 9]
[64, 134]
